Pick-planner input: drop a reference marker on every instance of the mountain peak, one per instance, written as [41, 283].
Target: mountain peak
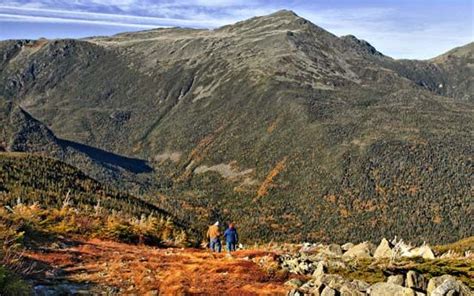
[284, 13]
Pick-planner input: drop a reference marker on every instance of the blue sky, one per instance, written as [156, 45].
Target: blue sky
[401, 29]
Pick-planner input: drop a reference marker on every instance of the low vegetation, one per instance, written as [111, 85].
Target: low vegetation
[42, 200]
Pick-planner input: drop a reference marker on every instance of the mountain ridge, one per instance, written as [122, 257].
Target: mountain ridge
[325, 131]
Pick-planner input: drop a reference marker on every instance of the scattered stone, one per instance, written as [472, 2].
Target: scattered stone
[308, 248]
[415, 281]
[351, 289]
[387, 289]
[361, 285]
[384, 250]
[320, 269]
[451, 287]
[361, 250]
[328, 292]
[396, 279]
[424, 251]
[334, 249]
[295, 292]
[333, 281]
[347, 246]
[437, 281]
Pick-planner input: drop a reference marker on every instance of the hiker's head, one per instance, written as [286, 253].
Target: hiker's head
[231, 225]
[217, 223]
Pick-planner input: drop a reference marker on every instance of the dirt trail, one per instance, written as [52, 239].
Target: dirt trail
[144, 270]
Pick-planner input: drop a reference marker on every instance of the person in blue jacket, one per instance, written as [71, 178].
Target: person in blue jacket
[231, 238]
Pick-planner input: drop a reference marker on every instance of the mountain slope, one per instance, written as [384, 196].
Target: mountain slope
[291, 131]
[33, 178]
[23, 133]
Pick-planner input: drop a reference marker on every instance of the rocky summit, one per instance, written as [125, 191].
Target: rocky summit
[290, 131]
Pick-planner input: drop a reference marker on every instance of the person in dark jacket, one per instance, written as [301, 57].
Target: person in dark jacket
[231, 238]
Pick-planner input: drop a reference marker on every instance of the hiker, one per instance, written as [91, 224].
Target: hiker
[213, 234]
[231, 238]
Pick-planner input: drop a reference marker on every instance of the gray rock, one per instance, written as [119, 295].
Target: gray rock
[295, 292]
[333, 281]
[347, 246]
[416, 281]
[452, 287]
[387, 289]
[335, 249]
[384, 250]
[436, 281]
[351, 289]
[396, 279]
[312, 287]
[361, 285]
[328, 292]
[424, 251]
[362, 250]
[320, 269]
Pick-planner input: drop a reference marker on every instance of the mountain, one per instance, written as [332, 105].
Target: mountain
[23, 133]
[273, 122]
[34, 178]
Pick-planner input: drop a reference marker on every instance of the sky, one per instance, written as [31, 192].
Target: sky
[415, 29]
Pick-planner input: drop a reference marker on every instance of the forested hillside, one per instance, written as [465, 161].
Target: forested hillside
[273, 122]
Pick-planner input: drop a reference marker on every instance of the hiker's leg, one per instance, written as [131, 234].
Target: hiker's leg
[211, 245]
[219, 246]
[228, 246]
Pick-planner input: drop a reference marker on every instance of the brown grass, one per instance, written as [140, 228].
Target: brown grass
[141, 269]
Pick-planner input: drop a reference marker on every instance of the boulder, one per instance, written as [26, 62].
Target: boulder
[351, 289]
[436, 281]
[362, 250]
[334, 249]
[424, 251]
[347, 246]
[312, 287]
[295, 292]
[384, 250]
[387, 289]
[333, 281]
[361, 285]
[415, 281]
[396, 279]
[328, 292]
[320, 269]
[452, 287]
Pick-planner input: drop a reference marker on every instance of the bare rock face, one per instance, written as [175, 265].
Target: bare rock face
[387, 289]
[384, 250]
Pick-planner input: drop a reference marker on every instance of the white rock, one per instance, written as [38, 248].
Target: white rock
[384, 250]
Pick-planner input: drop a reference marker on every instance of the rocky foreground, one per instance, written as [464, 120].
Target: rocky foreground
[392, 268]
[97, 267]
